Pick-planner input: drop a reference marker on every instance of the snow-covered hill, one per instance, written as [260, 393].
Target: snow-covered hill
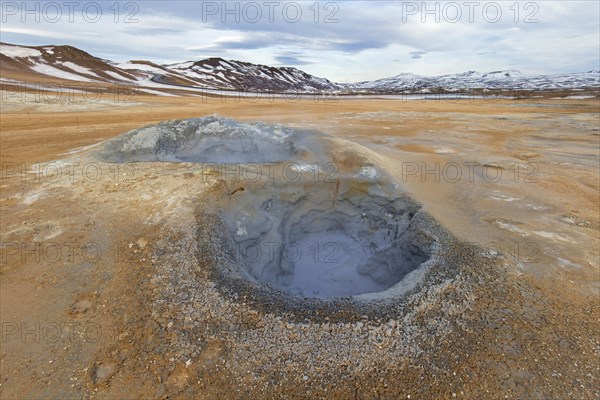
[67, 63]
[72, 64]
[62, 62]
[508, 79]
[230, 74]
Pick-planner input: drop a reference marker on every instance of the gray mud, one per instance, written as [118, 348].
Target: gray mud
[210, 140]
[319, 243]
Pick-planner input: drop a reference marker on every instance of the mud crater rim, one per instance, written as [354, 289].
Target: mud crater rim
[386, 243]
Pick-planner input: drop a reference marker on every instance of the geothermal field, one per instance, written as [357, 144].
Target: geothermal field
[300, 200]
[175, 247]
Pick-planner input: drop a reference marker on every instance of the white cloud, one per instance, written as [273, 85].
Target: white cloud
[370, 40]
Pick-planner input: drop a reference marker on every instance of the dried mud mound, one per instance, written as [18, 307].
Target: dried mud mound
[209, 140]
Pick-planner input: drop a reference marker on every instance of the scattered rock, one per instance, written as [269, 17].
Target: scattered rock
[103, 372]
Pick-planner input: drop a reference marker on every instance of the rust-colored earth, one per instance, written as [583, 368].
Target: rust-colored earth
[80, 285]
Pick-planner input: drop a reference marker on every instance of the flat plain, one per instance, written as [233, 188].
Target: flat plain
[80, 276]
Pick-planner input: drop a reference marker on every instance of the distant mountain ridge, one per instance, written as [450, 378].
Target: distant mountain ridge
[506, 79]
[70, 63]
[67, 63]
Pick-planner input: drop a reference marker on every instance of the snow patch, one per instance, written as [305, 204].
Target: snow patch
[18, 51]
[78, 68]
[117, 76]
[58, 73]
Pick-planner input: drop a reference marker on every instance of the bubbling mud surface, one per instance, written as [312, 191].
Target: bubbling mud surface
[317, 243]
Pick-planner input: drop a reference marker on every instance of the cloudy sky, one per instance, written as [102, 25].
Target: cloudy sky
[345, 41]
